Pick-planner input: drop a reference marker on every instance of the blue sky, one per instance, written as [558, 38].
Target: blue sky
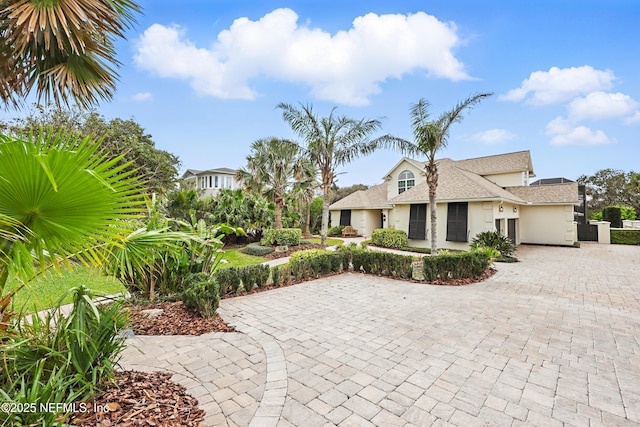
[204, 78]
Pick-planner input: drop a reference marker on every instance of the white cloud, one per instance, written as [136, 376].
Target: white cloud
[494, 136]
[602, 105]
[563, 132]
[347, 67]
[633, 119]
[560, 85]
[142, 96]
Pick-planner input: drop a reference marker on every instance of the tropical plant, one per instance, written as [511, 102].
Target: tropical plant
[431, 136]
[63, 49]
[251, 212]
[494, 240]
[272, 169]
[331, 142]
[61, 199]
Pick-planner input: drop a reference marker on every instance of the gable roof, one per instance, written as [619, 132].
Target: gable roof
[548, 194]
[519, 161]
[417, 164]
[372, 198]
[455, 183]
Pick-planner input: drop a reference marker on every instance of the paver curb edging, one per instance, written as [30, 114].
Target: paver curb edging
[276, 384]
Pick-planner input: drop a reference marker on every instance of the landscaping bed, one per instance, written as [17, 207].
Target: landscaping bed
[175, 319]
[292, 249]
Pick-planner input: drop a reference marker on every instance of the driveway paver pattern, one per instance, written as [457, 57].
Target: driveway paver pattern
[553, 340]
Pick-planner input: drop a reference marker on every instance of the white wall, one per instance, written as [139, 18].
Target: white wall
[392, 187]
[512, 179]
[551, 225]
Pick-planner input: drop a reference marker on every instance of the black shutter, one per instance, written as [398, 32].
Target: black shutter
[345, 217]
[457, 222]
[418, 222]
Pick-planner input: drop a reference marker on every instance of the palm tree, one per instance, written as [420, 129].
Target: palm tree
[331, 142]
[430, 136]
[304, 191]
[272, 168]
[61, 200]
[65, 49]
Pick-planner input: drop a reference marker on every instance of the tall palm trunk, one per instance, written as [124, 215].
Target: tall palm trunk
[279, 201]
[325, 214]
[432, 182]
[307, 231]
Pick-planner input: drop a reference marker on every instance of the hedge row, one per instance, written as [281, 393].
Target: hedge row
[389, 238]
[281, 237]
[383, 263]
[231, 279]
[625, 237]
[454, 266]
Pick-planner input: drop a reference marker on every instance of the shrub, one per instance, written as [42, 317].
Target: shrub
[389, 238]
[201, 293]
[282, 237]
[275, 275]
[625, 237]
[59, 358]
[335, 231]
[382, 263]
[613, 214]
[228, 280]
[455, 266]
[494, 240]
[314, 262]
[256, 249]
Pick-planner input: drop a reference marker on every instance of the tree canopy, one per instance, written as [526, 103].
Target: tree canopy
[611, 187]
[128, 138]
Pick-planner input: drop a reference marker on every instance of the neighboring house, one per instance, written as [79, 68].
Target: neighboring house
[473, 195]
[209, 182]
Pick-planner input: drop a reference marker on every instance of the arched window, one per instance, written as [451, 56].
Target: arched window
[406, 180]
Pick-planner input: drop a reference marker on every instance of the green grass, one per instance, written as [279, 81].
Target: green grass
[235, 258]
[330, 241]
[45, 291]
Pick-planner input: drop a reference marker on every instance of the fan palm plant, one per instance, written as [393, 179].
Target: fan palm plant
[61, 199]
[431, 136]
[272, 169]
[63, 48]
[331, 142]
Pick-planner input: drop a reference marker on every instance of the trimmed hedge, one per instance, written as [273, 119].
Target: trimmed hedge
[281, 237]
[625, 237]
[256, 249]
[229, 280]
[315, 262]
[249, 277]
[454, 266]
[389, 238]
[382, 263]
[201, 293]
[613, 214]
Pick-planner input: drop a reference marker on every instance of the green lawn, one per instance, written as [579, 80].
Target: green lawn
[45, 291]
[235, 258]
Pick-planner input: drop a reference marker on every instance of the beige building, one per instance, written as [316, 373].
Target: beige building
[474, 195]
[209, 182]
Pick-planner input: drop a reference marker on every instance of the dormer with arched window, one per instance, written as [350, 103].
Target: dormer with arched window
[406, 180]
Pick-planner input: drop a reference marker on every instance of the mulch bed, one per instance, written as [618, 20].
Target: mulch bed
[468, 281]
[141, 399]
[176, 319]
[292, 249]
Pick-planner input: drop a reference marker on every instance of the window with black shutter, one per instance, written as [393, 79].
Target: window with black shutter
[418, 222]
[457, 222]
[345, 217]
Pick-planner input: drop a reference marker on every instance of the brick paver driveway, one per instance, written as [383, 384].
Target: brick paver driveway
[553, 340]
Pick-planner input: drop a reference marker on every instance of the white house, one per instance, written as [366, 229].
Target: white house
[209, 182]
[473, 195]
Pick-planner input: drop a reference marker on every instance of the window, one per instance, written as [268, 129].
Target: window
[216, 181]
[457, 222]
[228, 182]
[209, 181]
[406, 180]
[418, 222]
[345, 218]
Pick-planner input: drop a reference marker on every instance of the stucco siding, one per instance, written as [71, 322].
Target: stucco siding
[512, 179]
[550, 225]
[392, 188]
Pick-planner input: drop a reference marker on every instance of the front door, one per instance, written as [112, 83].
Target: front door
[511, 229]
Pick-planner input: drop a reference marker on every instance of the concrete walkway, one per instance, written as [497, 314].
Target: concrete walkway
[551, 341]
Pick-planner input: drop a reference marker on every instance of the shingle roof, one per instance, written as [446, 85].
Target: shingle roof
[548, 194]
[374, 197]
[497, 164]
[455, 183]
